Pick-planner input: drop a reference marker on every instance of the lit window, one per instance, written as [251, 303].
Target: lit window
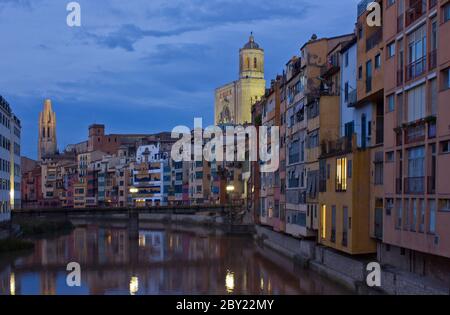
[324, 222]
[341, 174]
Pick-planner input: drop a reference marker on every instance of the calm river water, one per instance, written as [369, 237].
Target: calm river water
[165, 260]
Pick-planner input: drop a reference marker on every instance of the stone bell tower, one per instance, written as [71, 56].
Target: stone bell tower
[47, 146]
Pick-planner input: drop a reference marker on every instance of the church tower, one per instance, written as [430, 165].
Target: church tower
[251, 60]
[47, 131]
[234, 101]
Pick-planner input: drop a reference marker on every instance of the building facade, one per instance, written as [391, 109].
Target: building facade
[10, 163]
[416, 148]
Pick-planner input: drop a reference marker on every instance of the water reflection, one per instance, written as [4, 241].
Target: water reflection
[163, 260]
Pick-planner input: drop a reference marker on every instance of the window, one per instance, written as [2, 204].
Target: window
[447, 12]
[324, 222]
[346, 92]
[390, 50]
[445, 147]
[444, 205]
[350, 169]
[422, 216]
[345, 224]
[341, 174]
[390, 103]
[333, 224]
[416, 162]
[399, 214]
[378, 61]
[416, 103]
[390, 157]
[346, 59]
[389, 206]
[360, 72]
[379, 173]
[446, 79]
[432, 218]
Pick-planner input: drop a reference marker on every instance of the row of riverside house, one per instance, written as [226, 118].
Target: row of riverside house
[365, 141]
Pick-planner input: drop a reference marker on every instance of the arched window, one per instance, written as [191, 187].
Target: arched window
[255, 63]
[248, 62]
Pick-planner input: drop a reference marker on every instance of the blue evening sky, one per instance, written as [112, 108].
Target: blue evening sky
[144, 66]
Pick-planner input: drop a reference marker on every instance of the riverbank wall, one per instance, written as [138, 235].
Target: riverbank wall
[347, 270]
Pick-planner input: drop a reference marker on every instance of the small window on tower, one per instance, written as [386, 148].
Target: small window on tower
[255, 61]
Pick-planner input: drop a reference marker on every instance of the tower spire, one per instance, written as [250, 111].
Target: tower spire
[47, 131]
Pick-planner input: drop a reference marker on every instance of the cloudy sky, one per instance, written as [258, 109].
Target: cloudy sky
[143, 66]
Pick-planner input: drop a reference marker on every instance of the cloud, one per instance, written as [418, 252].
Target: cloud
[128, 34]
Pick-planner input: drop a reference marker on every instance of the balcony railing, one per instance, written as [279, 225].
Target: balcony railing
[416, 68]
[431, 185]
[416, 10]
[415, 185]
[432, 63]
[415, 133]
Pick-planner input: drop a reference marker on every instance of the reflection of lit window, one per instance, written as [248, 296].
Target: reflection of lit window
[341, 174]
[141, 240]
[262, 284]
[134, 285]
[324, 221]
[12, 284]
[229, 282]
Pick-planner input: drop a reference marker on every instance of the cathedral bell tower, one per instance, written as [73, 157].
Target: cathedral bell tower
[251, 60]
[47, 131]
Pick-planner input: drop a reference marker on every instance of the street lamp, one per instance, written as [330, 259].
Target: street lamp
[230, 188]
[133, 192]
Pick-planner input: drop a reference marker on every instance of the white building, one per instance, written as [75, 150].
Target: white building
[10, 175]
[354, 119]
[149, 188]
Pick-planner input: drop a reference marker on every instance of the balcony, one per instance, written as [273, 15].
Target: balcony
[415, 185]
[431, 185]
[432, 63]
[374, 39]
[415, 133]
[416, 10]
[416, 68]
[398, 186]
[336, 147]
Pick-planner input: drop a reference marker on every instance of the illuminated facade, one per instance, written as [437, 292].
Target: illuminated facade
[10, 174]
[233, 101]
[47, 146]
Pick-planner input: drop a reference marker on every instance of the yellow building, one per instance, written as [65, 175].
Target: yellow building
[233, 101]
[345, 197]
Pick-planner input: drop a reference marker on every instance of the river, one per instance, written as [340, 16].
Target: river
[166, 259]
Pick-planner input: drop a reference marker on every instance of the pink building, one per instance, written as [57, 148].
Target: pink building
[416, 233]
